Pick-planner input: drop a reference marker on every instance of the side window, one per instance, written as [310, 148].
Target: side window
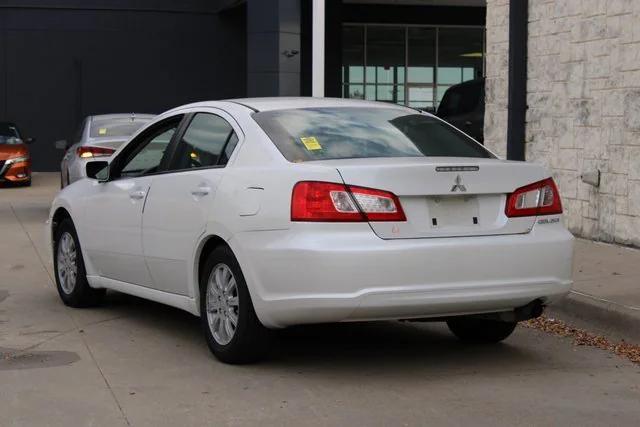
[470, 97]
[149, 150]
[450, 104]
[208, 141]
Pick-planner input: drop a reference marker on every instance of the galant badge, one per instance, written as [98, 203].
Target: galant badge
[458, 185]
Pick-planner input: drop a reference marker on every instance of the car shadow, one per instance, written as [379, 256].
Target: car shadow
[404, 348]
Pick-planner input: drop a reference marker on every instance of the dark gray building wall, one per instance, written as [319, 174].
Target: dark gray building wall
[63, 60]
[273, 47]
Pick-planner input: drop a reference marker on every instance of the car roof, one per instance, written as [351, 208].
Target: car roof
[474, 82]
[284, 103]
[122, 116]
[281, 103]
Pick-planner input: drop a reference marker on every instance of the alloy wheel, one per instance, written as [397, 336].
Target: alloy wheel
[222, 304]
[66, 262]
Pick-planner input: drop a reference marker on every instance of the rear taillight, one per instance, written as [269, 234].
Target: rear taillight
[539, 198]
[87, 151]
[331, 202]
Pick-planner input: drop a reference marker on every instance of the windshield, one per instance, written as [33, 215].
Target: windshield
[9, 134]
[113, 127]
[360, 132]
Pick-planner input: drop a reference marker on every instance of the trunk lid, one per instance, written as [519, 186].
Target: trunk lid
[444, 196]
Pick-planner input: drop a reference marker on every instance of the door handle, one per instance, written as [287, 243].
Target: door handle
[201, 191]
[468, 123]
[137, 195]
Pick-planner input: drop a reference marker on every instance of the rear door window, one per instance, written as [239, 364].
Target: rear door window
[208, 141]
[461, 99]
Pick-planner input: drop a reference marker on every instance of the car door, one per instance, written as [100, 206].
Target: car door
[176, 213]
[113, 216]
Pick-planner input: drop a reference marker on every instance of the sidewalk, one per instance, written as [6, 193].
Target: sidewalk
[606, 292]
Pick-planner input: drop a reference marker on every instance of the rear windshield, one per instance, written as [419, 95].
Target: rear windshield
[360, 132]
[124, 126]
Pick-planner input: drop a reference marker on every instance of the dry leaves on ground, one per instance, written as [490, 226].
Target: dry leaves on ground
[582, 337]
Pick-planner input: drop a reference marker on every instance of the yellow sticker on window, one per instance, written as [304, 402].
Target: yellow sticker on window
[102, 131]
[311, 143]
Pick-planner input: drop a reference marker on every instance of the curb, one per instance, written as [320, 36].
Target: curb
[598, 315]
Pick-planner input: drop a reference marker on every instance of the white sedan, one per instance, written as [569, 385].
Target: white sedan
[257, 214]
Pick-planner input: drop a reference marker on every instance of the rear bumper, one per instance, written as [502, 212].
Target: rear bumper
[317, 273]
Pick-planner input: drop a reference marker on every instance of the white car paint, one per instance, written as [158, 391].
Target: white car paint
[143, 236]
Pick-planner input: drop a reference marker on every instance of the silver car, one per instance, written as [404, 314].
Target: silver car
[98, 136]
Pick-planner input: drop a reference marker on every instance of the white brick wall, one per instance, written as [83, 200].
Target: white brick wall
[584, 106]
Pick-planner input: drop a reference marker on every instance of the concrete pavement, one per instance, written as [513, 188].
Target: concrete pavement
[606, 291]
[133, 362]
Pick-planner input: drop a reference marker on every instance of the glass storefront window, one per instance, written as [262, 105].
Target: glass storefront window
[460, 57]
[353, 55]
[353, 91]
[385, 54]
[421, 54]
[409, 65]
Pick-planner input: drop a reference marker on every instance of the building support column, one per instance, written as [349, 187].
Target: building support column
[517, 108]
[273, 47]
[317, 61]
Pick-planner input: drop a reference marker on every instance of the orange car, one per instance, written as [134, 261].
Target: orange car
[15, 161]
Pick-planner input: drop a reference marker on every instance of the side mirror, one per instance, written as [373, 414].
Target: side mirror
[98, 170]
[61, 144]
[29, 140]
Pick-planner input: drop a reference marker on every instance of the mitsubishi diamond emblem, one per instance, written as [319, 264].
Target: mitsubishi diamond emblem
[458, 185]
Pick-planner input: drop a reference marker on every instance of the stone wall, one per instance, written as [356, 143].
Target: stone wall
[583, 106]
[497, 79]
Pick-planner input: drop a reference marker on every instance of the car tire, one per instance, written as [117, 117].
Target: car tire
[480, 331]
[70, 274]
[225, 300]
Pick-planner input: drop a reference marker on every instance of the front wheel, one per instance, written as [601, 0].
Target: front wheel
[232, 330]
[71, 278]
[480, 331]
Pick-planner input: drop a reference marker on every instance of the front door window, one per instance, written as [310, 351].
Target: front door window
[145, 154]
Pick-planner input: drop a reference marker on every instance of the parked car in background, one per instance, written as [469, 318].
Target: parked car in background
[271, 212]
[15, 160]
[463, 106]
[98, 136]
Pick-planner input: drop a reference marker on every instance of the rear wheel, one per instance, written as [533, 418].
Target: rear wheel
[232, 330]
[478, 330]
[71, 278]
